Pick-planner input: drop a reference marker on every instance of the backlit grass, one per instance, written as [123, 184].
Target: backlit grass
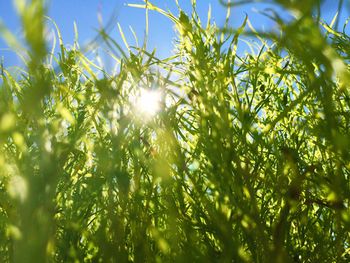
[209, 155]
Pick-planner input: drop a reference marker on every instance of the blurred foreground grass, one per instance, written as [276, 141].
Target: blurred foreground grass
[245, 160]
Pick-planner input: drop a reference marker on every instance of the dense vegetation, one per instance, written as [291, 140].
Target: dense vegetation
[247, 159]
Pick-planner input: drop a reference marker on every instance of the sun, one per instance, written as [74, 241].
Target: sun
[148, 102]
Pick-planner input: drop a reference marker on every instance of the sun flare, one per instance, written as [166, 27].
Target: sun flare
[148, 102]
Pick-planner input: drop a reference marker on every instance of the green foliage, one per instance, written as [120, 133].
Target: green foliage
[247, 159]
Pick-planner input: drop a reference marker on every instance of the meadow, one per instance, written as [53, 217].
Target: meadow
[208, 155]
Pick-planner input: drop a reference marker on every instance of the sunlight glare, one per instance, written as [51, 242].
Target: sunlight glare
[148, 102]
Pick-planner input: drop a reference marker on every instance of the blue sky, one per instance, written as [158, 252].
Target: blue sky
[161, 35]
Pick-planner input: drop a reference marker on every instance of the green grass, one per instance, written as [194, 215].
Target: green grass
[247, 159]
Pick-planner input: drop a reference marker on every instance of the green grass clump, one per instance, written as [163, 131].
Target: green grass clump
[247, 159]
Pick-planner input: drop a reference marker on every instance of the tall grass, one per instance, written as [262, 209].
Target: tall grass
[247, 159]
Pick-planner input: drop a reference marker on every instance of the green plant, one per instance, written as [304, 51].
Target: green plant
[246, 160]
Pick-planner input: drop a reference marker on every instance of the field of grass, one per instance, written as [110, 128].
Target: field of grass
[210, 155]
